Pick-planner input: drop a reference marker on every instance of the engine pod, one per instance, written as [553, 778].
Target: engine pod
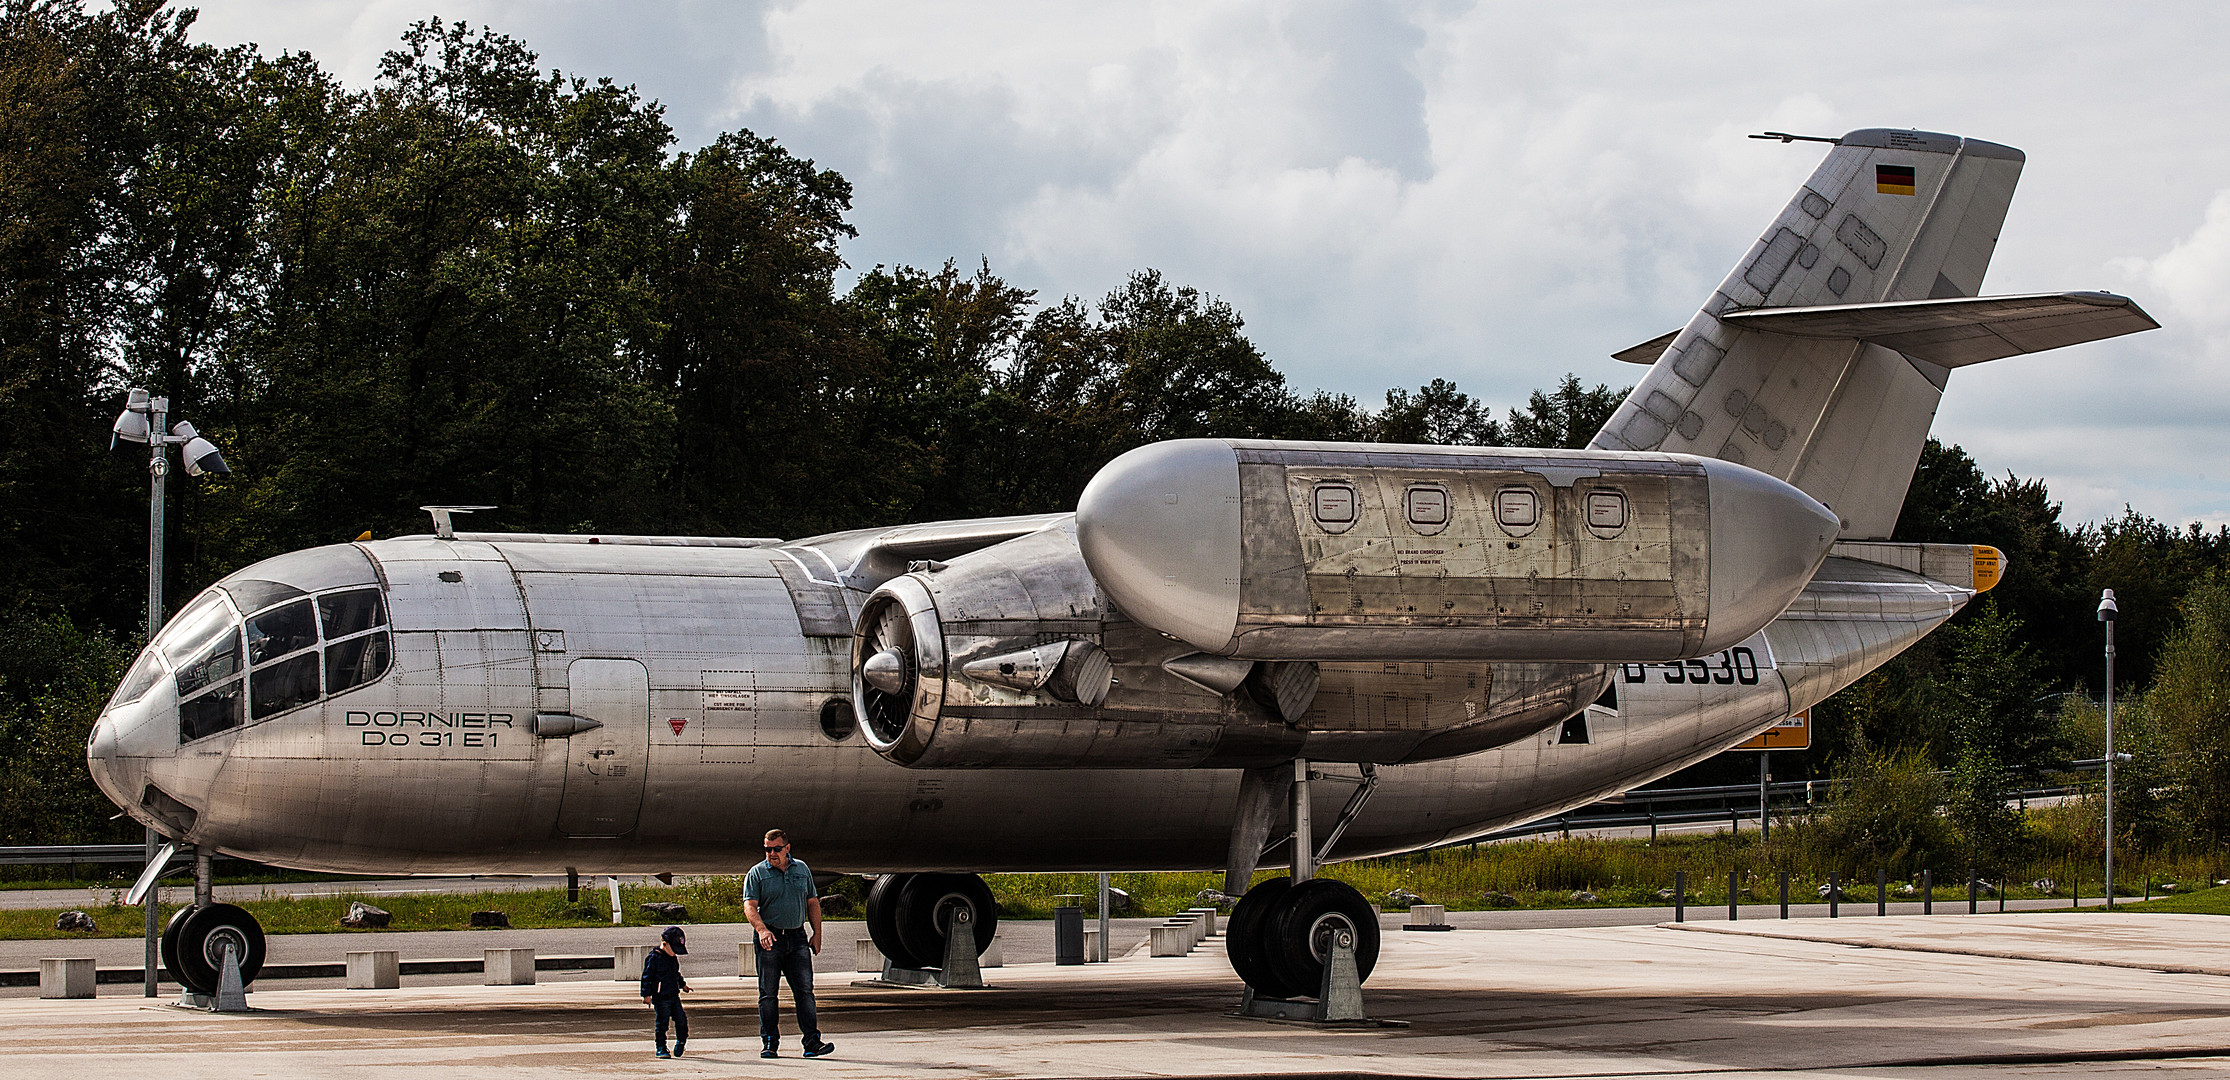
[1328, 551]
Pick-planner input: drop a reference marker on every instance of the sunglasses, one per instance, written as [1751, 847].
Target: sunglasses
[771, 850]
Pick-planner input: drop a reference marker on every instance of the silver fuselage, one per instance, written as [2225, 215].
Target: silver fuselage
[720, 716]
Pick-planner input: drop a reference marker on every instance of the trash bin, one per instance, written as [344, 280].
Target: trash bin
[1068, 935]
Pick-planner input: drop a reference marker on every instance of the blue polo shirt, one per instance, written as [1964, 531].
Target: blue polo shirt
[781, 894]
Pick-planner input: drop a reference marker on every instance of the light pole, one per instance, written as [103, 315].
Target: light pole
[142, 422]
[2107, 611]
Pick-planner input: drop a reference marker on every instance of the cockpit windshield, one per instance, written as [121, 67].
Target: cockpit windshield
[203, 647]
[209, 646]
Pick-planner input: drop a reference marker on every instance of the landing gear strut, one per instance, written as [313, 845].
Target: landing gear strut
[931, 927]
[198, 936]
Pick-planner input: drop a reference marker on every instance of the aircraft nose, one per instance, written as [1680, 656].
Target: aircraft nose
[114, 774]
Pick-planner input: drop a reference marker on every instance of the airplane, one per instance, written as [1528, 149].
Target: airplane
[1227, 643]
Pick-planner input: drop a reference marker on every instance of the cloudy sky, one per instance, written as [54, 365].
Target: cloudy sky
[1491, 193]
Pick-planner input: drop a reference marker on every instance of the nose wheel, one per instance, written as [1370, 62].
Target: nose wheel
[195, 941]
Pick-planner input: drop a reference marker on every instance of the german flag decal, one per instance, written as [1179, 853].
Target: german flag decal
[1893, 179]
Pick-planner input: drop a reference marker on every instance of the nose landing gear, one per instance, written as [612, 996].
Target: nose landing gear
[194, 946]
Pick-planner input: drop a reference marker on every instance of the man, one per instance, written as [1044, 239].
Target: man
[779, 899]
[663, 987]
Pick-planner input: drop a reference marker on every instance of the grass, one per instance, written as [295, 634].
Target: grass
[1544, 873]
[2214, 901]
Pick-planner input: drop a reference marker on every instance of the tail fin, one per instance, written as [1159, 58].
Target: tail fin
[1889, 216]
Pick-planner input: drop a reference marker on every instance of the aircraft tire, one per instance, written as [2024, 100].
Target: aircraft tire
[170, 941]
[1246, 938]
[882, 920]
[922, 906]
[202, 938]
[1299, 928]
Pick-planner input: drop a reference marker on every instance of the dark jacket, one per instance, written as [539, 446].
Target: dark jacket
[662, 975]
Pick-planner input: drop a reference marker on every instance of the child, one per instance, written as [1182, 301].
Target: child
[663, 987]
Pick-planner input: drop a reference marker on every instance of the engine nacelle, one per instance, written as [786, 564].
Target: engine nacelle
[1010, 657]
[1330, 551]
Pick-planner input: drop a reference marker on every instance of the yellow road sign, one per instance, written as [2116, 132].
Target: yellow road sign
[1793, 733]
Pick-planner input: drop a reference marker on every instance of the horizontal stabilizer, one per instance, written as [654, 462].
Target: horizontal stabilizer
[1958, 331]
[1953, 332]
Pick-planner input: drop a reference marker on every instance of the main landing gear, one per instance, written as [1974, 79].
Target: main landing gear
[1303, 944]
[931, 927]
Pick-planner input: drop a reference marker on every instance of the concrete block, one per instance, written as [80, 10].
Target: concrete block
[1170, 939]
[865, 956]
[747, 959]
[627, 962]
[66, 977]
[996, 956]
[1428, 914]
[1091, 944]
[375, 969]
[510, 967]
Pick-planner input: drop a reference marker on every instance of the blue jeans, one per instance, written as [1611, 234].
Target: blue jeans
[670, 1008]
[792, 959]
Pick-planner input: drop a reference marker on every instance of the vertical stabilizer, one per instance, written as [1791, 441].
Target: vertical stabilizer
[1889, 216]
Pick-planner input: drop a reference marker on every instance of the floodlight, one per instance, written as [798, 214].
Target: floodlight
[199, 454]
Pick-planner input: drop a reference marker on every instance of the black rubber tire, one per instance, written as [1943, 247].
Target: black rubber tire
[922, 904]
[200, 947]
[1246, 937]
[882, 919]
[170, 940]
[1297, 942]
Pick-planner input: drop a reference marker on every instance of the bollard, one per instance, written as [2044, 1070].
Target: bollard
[1972, 882]
[865, 957]
[1092, 951]
[1881, 891]
[1428, 915]
[1732, 911]
[375, 969]
[2074, 893]
[1834, 894]
[1784, 894]
[1068, 935]
[1680, 896]
[509, 967]
[628, 961]
[1207, 917]
[66, 977]
[1928, 892]
[1165, 940]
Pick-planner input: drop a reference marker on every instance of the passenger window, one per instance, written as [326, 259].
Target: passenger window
[292, 682]
[1517, 510]
[280, 631]
[355, 662]
[215, 711]
[219, 661]
[1333, 506]
[348, 612]
[138, 680]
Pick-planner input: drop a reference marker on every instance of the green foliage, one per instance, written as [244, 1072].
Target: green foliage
[2190, 704]
[54, 678]
[1885, 810]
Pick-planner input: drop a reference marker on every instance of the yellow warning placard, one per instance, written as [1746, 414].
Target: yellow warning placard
[1793, 733]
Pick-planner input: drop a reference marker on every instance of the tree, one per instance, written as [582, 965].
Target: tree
[1437, 414]
[2190, 703]
[1565, 418]
[1995, 724]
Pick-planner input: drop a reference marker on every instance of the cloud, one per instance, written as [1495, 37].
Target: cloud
[1396, 190]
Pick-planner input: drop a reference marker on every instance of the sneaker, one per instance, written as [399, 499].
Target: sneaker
[820, 1050]
[677, 1048]
[662, 1053]
[766, 1048]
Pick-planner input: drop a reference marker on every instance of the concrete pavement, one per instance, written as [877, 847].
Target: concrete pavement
[2047, 994]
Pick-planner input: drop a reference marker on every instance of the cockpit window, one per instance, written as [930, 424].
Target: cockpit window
[217, 658]
[278, 687]
[194, 627]
[210, 713]
[252, 593]
[280, 631]
[355, 662]
[348, 612]
[140, 679]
